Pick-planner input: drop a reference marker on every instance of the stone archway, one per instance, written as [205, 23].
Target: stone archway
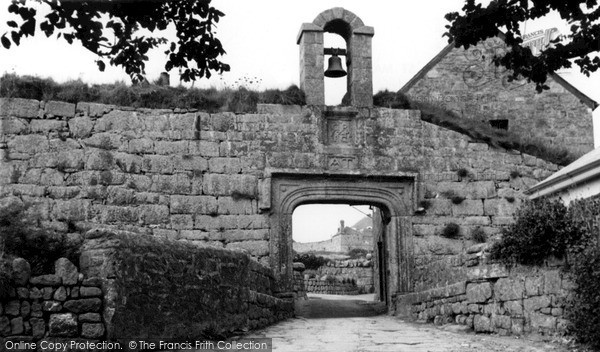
[392, 194]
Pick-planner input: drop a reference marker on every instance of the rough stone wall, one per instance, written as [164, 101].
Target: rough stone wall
[493, 298]
[160, 288]
[468, 83]
[63, 305]
[330, 287]
[202, 178]
[360, 271]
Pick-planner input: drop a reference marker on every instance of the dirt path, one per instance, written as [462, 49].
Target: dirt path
[353, 325]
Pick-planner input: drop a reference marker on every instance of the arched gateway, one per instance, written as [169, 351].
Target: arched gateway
[392, 194]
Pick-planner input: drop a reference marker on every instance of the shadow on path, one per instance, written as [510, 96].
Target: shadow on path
[323, 307]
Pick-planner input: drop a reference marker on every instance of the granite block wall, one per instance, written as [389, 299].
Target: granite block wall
[155, 287]
[468, 83]
[206, 178]
[64, 304]
[490, 297]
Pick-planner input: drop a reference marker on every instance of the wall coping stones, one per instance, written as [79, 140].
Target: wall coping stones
[487, 272]
[110, 239]
[59, 108]
[19, 107]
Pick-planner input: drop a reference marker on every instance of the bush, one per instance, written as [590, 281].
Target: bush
[387, 99]
[40, 248]
[310, 261]
[542, 228]
[451, 231]
[356, 253]
[583, 312]
[478, 235]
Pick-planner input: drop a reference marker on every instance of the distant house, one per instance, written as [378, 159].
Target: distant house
[580, 179]
[468, 83]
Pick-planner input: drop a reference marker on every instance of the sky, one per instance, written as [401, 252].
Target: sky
[260, 39]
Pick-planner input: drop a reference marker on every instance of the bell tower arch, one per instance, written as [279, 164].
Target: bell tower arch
[358, 39]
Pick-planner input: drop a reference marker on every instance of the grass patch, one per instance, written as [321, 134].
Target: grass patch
[147, 95]
[479, 130]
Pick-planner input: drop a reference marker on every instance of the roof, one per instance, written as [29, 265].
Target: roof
[585, 168]
[592, 104]
[363, 223]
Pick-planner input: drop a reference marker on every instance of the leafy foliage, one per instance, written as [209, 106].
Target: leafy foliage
[542, 228]
[583, 311]
[39, 247]
[477, 23]
[356, 253]
[113, 31]
[310, 261]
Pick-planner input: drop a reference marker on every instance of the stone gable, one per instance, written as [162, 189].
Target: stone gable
[468, 83]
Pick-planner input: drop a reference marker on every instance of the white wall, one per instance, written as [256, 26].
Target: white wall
[596, 119]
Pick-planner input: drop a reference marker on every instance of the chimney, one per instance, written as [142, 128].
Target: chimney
[164, 79]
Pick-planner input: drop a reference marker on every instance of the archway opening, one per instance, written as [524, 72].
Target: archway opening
[344, 260]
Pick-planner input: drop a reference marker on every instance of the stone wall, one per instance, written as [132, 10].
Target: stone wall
[495, 299]
[470, 290]
[160, 288]
[330, 287]
[468, 83]
[360, 271]
[60, 305]
[207, 178]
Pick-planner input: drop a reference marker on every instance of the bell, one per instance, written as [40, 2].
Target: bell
[335, 69]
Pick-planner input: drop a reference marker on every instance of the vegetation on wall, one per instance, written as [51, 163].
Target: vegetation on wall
[244, 100]
[310, 261]
[542, 228]
[357, 253]
[476, 129]
[150, 96]
[451, 230]
[41, 248]
[546, 228]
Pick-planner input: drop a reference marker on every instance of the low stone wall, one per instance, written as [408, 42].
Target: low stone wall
[359, 270]
[495, 299]
[330, 287]
[299, 286]
[65, 304]
[160, 288]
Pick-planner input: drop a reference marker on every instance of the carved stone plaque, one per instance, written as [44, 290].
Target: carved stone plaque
[346, 162]
[340, 132]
